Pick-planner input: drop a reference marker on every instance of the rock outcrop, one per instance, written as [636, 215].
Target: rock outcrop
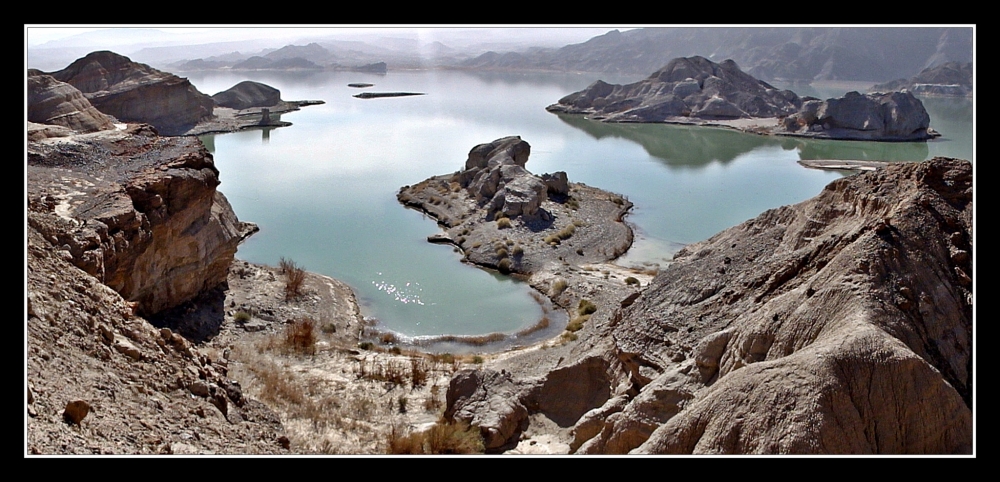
[692, 87]
[893, 116]
[248, 94]
[504, 217]
[135, 92]
[696, 90]
[123, 224]
[139, 212]
[951, 79]
[58, 103]
[842, 324]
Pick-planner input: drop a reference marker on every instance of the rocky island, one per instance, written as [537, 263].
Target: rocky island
[695, 90]
[129, 91]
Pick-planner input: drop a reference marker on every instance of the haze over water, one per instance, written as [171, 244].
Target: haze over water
[323, 190]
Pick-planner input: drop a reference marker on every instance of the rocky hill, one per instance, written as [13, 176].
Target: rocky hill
[60, 104]
[952, 79]
[247, 94]
[135, 92]
[686, 87]
[695, 90]
[840, 325]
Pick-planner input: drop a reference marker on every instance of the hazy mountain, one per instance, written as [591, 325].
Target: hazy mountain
[799, 53]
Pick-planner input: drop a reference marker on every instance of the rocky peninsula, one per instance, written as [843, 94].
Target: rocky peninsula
[695, 90]
[840, 325]
[950, 79]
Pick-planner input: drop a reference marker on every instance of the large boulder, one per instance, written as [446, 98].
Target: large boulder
[495, 175]
[875, 116]
[135, 92]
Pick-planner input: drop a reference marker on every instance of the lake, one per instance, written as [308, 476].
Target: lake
[323, 191]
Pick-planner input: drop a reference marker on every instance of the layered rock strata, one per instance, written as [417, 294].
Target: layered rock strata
[842, 324]
[696, 90]
[139, 212]
[58, 103]
[135, 92]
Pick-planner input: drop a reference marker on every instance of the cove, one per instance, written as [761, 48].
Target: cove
[323, 190]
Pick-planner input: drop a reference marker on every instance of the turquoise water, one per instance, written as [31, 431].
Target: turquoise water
[323, 190]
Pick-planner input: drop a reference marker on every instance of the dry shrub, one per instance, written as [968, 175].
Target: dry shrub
[418, 371]
[300, 336]
[541, 325]
[441, 438]
[558, 286]
[295, 277]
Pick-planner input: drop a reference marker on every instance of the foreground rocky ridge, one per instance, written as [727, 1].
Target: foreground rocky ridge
[124, 224]
[839, 325]
[695, 90]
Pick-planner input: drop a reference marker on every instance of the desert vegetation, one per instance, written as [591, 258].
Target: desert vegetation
[295, 277]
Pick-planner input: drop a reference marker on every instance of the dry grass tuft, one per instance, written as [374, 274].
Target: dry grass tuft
[300, 336]
[295, 277]
[441, 438]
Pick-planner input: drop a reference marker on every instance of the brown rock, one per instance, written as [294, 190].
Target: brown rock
[58, 103]
[75, 411]
[135, 92]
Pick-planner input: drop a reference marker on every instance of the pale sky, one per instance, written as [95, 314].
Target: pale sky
[39, 34]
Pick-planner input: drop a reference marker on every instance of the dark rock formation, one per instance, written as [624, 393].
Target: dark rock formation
[696, 90]
[138, 212]
[687, 87]
[248, 94]
[376, 95]
[58, 103]
[952, 79]
[840, 325]
[895, 116]
[134, 92]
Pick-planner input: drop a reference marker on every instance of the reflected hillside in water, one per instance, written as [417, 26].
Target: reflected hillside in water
[679, 146]
[696, 147]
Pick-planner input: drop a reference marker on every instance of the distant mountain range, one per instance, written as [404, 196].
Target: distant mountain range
[874, 54]
[794, 53]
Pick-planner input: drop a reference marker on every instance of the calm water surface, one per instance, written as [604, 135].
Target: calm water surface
[323, 190]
